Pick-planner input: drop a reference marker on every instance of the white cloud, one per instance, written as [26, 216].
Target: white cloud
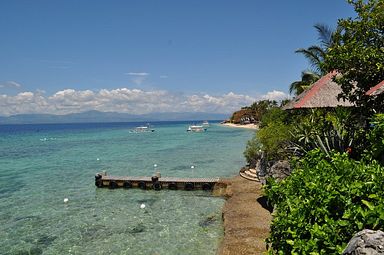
[137, 74]
[10, 84]
[138, 78]
[163, 76]
[275, 95]
[25, 102]
[127, 100]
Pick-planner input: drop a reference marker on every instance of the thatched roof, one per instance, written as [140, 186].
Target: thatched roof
[321, 94]
[376, 90]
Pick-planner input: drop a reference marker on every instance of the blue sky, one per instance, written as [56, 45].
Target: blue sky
[147, 56]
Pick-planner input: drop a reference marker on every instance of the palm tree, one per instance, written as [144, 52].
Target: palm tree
[316, 53]
[307, 79]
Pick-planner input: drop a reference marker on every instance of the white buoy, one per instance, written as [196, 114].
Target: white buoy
[142, 206]
[155, 165]
[97, 159]
[66, 200]
[192, 167]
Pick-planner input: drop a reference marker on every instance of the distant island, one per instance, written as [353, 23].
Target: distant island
[97, 116]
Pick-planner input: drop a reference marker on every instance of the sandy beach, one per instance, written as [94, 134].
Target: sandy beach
[246, 221]
[249, 126]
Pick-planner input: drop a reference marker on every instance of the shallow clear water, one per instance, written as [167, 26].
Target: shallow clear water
[40, 165]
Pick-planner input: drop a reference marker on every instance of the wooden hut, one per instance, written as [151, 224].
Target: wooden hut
[322, 94]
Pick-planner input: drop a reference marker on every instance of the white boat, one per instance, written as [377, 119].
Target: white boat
[196, 128]
[142, 129]
[205, 124]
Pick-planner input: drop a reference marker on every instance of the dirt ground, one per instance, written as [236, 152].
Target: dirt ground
[246, 220]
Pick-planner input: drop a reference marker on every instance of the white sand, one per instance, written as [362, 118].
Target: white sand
[249, 126]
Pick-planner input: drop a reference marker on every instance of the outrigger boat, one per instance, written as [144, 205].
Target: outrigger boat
[196, 128]
[142, 129]
[205, 124]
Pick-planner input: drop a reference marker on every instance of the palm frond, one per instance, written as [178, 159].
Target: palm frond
[309, 77]
[313, 58]
[325, 33]
[317, 50]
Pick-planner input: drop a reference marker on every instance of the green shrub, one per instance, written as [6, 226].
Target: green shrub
[324, 202]
[271, 138]
[252, 151]
[376, 138]
[274, 114]
[274, 139]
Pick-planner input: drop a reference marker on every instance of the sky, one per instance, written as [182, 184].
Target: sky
[143, 56]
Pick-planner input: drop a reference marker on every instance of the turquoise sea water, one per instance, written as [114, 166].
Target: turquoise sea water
[40, 165]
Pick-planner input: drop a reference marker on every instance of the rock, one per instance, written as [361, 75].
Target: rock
[280, 170]
[367, 242]
[262, 166]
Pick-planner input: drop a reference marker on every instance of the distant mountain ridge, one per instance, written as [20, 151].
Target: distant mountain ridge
[97, 116]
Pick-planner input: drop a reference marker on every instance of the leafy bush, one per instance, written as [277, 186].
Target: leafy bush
[324, 202]
[274, 114]
[253, 150]
[376, 138]
[274, 139]
[271, 138]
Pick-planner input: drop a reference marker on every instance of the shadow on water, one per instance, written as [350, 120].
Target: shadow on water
[32, 251]
[208, 161]
[28, 218]
[139, 228]
[263, 201]
[94, 232]
[45, 240]
[9, 187]
[180, 168]
[37, 246]
[208, 221]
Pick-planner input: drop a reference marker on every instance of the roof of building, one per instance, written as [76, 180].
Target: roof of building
[376, 90]
[322, 94]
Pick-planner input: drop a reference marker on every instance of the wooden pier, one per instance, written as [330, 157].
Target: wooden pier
[155, 182]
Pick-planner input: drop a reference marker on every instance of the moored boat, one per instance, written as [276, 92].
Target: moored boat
[142, 129]
[205, 124]
[196, 128]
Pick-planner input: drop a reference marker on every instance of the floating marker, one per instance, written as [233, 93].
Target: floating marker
[192, 167]
[97, 159]
[142, 206]
[66, 200]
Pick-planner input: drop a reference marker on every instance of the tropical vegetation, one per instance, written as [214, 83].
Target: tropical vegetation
[323, 202]
[358, 54]
[337, 184]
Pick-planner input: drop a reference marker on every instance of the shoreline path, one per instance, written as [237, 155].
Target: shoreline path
[246, 221]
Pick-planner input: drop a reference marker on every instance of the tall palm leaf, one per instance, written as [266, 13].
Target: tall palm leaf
[316, 53]
[315, 56]
[325, 35]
